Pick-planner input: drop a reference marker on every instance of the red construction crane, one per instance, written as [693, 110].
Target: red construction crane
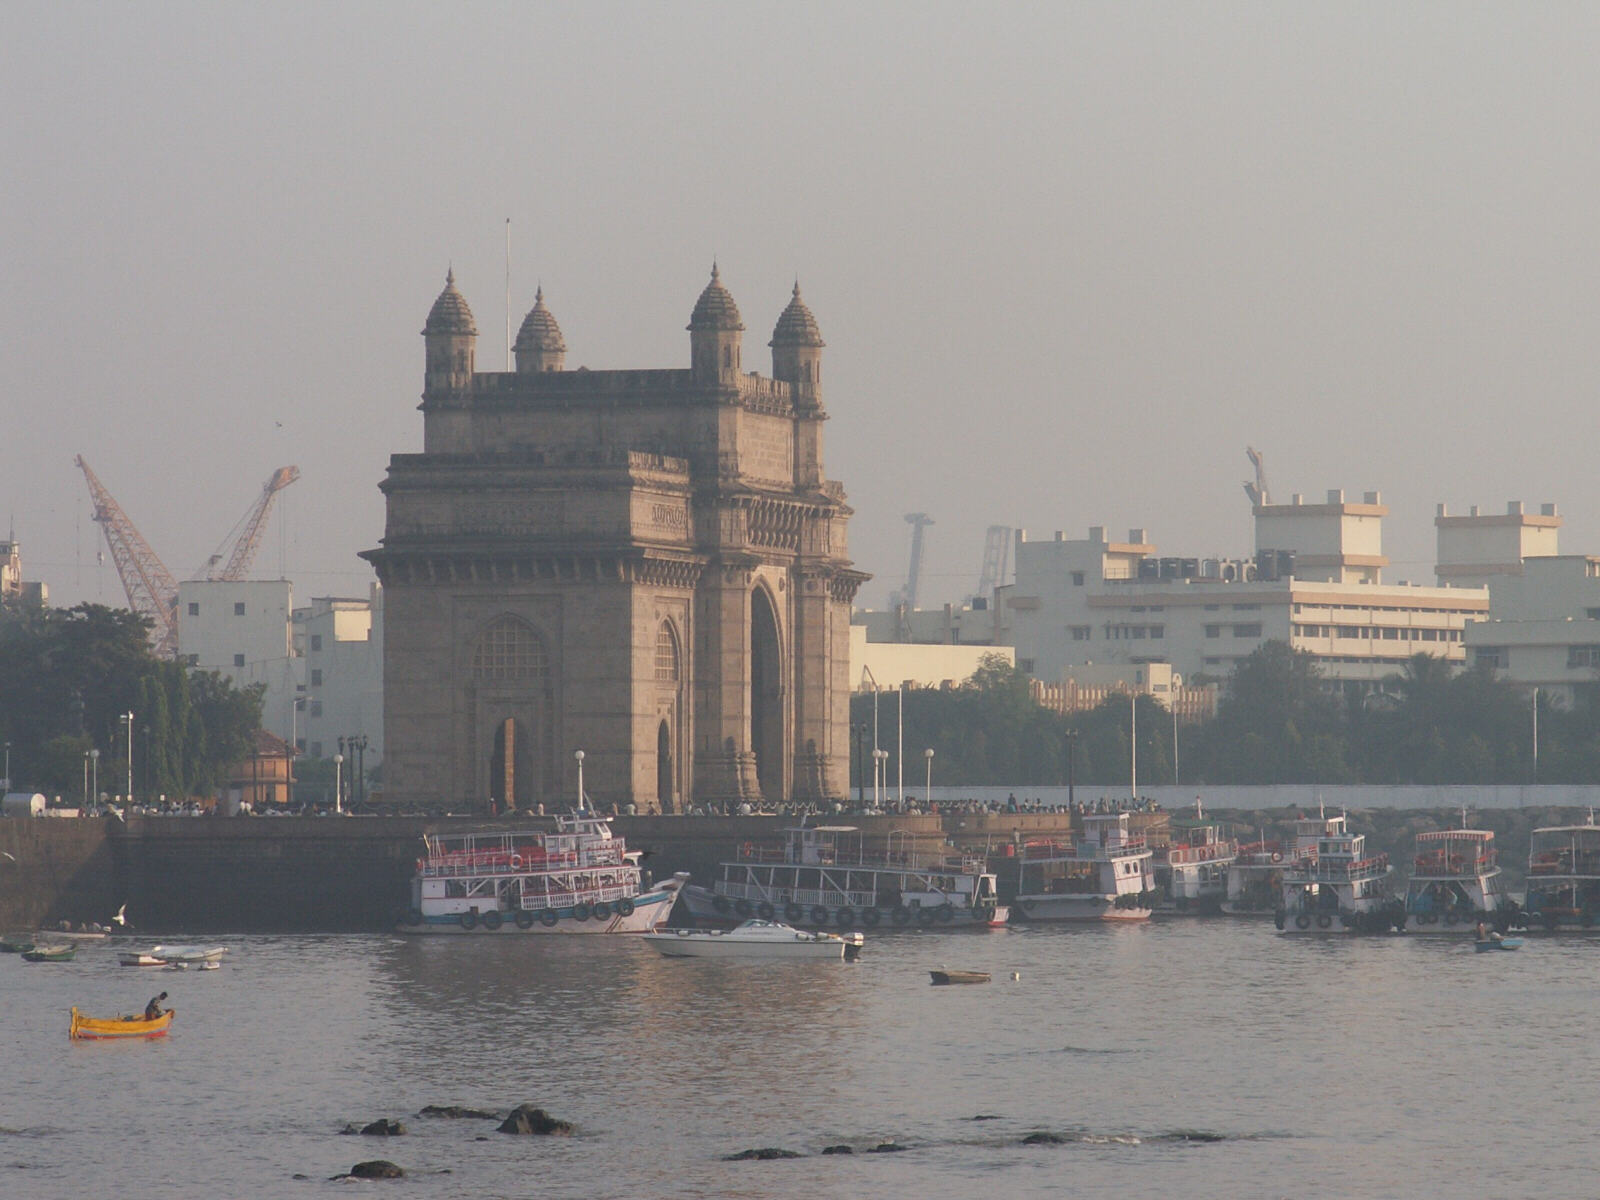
[248, 540]
[151, 589]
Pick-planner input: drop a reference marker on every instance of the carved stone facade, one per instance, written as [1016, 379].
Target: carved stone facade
[647, 566]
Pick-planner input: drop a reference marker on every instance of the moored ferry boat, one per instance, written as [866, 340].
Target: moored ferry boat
[1193, 872]
[1455, 883]
[1255, 880]
[823, 875]
[1336, 885]
[1564, 876]
[1105, 876]
[578, 879]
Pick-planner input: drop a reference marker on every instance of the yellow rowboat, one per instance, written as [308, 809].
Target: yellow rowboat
[119, 1027]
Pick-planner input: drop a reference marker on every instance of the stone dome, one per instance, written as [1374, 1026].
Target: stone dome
[796, 326]
[715, 309]
[450, 313]
[539, 329]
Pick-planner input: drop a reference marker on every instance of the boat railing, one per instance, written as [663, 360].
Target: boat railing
[499, 862]
[1435, 863]
[538, 900]
[1337, 870]
[1089, 848]
[1209, 852]
[829, 897]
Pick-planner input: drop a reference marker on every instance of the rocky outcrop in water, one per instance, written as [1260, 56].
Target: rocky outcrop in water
[382, 1127]
[764, 1152]
[377, 1168]
[525, 1118]
[838, 1150]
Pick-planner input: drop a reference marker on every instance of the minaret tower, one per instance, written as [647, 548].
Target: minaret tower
[714, 339]
[797, 352]
[539, 344]
[451, 338]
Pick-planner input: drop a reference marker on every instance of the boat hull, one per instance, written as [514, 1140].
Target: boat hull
[1086, 907]
[650, 911]
[89, 1029]
[702, 905]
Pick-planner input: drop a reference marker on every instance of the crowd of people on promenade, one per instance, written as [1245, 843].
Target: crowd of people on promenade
[912, 806]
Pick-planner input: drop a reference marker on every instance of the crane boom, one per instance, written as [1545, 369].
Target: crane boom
[244, 550]
[152, 591]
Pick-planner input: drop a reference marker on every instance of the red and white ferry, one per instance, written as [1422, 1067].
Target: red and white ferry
[1193, 872]
[1336, 885]
[1105, 876]
[578, 879]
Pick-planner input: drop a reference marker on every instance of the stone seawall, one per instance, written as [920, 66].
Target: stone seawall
[291, 874]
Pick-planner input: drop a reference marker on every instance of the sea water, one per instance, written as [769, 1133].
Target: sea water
[1176, 1057]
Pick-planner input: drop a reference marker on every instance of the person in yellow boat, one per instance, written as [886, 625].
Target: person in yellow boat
[153, 1010]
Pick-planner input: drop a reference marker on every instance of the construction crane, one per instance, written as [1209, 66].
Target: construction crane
[918, 522]
[247, 539]
[1257, 491]
[996, 556]
[151, 590]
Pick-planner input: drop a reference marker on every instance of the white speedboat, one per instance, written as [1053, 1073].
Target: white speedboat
[1105, 876]
[756, 939]
[166, 956]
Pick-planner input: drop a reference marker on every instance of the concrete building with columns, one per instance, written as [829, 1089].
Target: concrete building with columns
[648, 566]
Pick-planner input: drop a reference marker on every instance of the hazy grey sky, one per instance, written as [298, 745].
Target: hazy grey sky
[1069, 259]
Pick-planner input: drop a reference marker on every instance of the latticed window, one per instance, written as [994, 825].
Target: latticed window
[509, 649]
[666, 655]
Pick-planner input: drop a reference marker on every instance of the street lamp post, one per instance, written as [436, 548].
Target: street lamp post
[8, 766]
[578, 754]
[880, 772]
[338, 771]
[1072, 761]
[128, 719]
[360, 744]
[86, 804]
[94, 775]
[860, 733]
[927, 787]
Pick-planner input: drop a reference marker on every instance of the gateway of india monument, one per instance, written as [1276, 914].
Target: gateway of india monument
[647, 567]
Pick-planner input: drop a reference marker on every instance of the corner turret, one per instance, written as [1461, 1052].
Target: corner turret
[539, 345]
[797, 351]
[451, 339]
[714, 335]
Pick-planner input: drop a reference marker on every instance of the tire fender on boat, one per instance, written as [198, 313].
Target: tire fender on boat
[764, 911]
[1324, 921]
[549, 918]
[491, 921]
[1302, 922]
[819, 914]
[743, 908]
[624, 907]
[924, 916]
[1280, 918]
[870, 917]
[469, 920]
[793, 912]
[601, 910]
[901, 915]
[580, 911]
[945, 912]
[524, 919]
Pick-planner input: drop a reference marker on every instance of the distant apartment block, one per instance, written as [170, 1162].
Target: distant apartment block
[340, 643]
[14, 590]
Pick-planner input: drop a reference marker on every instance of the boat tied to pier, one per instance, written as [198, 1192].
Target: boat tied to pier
[1193, 872]
[579, 878]
[823, 875]
[1105, 875]
[1336, 883]
[1564, 876]
[1455, 883]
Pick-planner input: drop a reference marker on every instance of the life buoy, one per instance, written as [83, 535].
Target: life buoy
[580, 911]
[743, 908]
[793, 913]
[491, 921]
[901, 915]
[764, 911]
[516, 862]
[819, 915]
[870, 917]
[1302, 921]
[1277, 856]
[1027, 906]
[924, 916]
[601, 910]
[524, 919]
[469, 919]
[413, 916]
[549, 917]
[1324, 921]
[846, 917]
[624, 907]
[720, 903]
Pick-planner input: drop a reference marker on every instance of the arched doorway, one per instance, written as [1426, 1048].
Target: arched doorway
[512, 714]
[766, 696]
[664, 768]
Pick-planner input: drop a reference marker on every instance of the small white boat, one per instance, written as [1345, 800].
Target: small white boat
[756, 939]
[141, 958]
[188, 955]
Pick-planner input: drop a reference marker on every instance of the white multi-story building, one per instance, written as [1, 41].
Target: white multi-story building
[340, 642]
[1544, 627]
[1315, 582]
[241, 630]
[1480, 548]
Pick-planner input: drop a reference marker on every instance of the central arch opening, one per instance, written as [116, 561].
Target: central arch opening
[511, 766]
[664, 788]
[766, 696]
